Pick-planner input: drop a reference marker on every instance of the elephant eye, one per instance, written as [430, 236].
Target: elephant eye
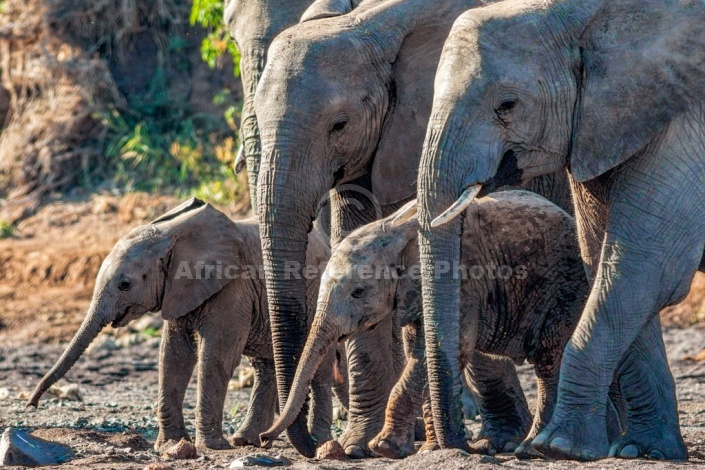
[338, 126]
[124, 286]
[359, 292]
[506, 105]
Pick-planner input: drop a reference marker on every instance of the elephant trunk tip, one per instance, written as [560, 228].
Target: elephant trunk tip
[33, 401]
[266, 438]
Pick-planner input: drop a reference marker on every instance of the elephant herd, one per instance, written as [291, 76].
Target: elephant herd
[454, 141]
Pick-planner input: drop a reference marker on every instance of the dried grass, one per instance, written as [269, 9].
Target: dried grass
[53, 65]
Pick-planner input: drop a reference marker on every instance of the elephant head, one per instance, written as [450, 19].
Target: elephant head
[527, 88]
[370, 276]
[163, 266]
[339, 100]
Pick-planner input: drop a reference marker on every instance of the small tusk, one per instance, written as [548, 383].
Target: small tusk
[458, 206]
[405, 213]
[239, 160]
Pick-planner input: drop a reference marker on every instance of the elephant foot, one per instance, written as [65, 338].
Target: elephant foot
[247, 437]
[355, 442]
[655, 445]
[165, 441]
[497, 439]
[573, 435]
[526, 452]
[215, 442]
[429, 446]
[488, 446]
[393, 446]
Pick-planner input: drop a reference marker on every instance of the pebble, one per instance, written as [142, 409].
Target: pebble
[182, 450]
[260, 460]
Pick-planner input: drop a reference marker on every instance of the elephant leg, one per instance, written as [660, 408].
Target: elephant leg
[369, 353]
[650, 393]
[500, 398]
[371, 381]
[321, 414]
[431, 443]
[652, 247]
[263, 402]
[547, 392]
[340, 377]
[219, 354]
[177, 359]
[396, 440]
[702, 264]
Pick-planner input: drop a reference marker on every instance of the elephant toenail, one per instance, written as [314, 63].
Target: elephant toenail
[355, 452]
[629, 452]
[561, 444]
[613, 451]
[384, 445]
[539, 440]
[589, 455]
[656, 455]
[510, 447]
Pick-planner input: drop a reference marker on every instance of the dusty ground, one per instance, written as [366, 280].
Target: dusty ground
[46, 277]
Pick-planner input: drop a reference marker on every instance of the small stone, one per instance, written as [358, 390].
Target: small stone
[245, 379]
[340, 413]
[331, 450]
[158, 466]
[150, 322]
[21, 448]
[260, 460]
[4, 393]
[70, 392]
[103, 342]
[182, 450]
[129, 340]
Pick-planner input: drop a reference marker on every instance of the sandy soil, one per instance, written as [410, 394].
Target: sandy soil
[46, 279]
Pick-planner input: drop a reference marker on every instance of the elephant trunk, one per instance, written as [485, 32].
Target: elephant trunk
[322, 338]
[287, 206]
[439, 186]
[251, 66]
[94, 322]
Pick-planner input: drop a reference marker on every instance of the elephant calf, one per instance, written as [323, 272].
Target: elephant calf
[201, 269]
[523, 288]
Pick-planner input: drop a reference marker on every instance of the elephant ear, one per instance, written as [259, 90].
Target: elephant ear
[326, 8]
[200, 238]
[408, 290]
[638, 72]
[411, 92]
[182, 208]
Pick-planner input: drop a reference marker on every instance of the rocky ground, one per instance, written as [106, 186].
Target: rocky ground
[108, 416]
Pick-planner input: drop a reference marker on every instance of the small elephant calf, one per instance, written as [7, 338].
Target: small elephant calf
[522, 291]
[201, 269]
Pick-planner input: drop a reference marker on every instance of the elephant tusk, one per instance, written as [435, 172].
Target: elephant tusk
[240, 160]
[405, 213]
[458, 206]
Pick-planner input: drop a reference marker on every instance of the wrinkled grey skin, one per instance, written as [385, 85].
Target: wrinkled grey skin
[615, 95]
[210, 316]
[253, 24]
[525, 310]
[342, 104]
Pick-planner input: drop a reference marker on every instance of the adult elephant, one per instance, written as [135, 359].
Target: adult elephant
[253, 25]
[343, 103]
[525, 88]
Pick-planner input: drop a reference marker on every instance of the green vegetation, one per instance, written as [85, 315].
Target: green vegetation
[160, 146]
[6, 228]
[151, 332]
[209, 14]
[234, 411]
